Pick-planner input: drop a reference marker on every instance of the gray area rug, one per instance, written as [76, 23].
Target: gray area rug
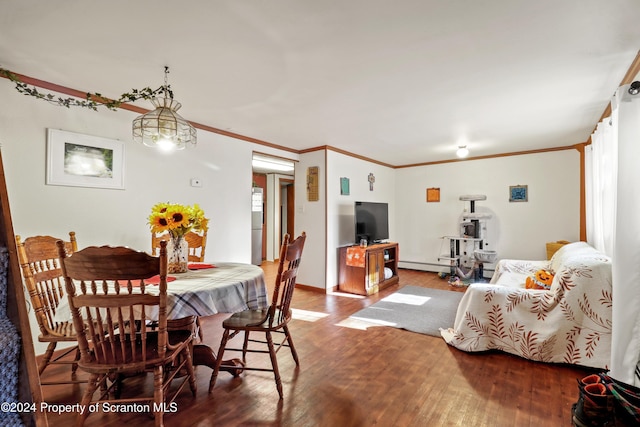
[415, 309]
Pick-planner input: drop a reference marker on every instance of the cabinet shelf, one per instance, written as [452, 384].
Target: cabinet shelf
[362, 270]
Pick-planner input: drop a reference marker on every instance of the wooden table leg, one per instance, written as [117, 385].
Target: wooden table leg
[203, 355]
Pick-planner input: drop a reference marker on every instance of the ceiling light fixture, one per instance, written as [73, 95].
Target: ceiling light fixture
[163, 127]
[634, 88]
[463, 151]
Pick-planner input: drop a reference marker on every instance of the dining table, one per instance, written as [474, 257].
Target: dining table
[205, 289]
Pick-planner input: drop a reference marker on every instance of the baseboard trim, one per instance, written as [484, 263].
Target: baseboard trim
[311, 288]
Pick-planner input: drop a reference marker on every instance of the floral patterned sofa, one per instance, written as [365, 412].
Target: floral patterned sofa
[568, 323]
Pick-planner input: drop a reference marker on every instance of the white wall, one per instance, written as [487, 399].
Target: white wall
[519, 229]
[119, 217]
[340, 222]
[310, 218]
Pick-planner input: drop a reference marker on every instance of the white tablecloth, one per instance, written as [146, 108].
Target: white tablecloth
[228, 288]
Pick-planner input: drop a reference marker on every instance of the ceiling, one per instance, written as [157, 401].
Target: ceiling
[399, 82]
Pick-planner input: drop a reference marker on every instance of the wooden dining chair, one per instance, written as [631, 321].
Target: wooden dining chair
[109, 300]
[156, 238]
[274, 319]
[40, 264]
[197, 242]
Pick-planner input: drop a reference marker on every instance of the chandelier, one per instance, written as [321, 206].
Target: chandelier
[163, 127]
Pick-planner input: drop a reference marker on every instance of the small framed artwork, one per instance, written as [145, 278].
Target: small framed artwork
[313, 194]
[79, 160]
[518, 193]
[344, 186]
[433, 194]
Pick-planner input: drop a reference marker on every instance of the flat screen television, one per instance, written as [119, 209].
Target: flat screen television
[372, 221]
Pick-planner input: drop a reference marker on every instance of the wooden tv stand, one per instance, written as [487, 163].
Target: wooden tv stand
[361, 270]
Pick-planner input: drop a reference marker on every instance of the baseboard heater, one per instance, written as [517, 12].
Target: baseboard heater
[444, 268]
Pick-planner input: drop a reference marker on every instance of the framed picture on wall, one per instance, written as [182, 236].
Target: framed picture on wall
[433, 194]
[518, 193]
[344, 186]
[78, 160]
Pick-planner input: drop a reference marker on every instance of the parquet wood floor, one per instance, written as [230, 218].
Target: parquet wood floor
[350, 377]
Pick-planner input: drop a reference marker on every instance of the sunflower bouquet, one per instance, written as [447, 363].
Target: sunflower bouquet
[177, 219]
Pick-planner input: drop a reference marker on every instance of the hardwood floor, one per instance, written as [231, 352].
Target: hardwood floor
[350, 377]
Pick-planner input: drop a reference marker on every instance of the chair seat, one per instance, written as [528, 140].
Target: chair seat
[253, 320]
[62, 331]
[135, 357]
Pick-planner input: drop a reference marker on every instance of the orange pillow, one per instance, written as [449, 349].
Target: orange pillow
[542, 279]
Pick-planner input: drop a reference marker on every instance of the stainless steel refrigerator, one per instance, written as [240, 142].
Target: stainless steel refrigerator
[256, 225]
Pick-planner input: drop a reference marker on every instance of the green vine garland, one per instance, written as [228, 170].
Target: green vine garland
[91, 100]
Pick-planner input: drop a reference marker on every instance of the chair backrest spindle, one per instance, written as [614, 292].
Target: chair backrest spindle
[290, 255]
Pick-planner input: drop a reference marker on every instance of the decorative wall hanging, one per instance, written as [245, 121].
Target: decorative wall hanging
[312, 184]
[92, 100]
[518, 193]
[344, 186]
[371, 179]
[163, 127]
[433, 194]
[78, 160]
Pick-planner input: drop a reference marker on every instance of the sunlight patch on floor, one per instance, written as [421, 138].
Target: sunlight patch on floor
[307, 316]
[362, 323]
[345, 294]
[399, 298]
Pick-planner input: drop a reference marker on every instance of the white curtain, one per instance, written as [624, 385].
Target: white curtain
[625, 351]
[601, 166]
[612, 179]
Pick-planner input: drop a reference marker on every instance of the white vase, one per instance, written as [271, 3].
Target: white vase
[177, 254]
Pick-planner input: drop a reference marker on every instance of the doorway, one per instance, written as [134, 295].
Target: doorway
[287, 203]
[275, 175]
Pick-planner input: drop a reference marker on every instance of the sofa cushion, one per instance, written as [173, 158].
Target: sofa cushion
[568, 251]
